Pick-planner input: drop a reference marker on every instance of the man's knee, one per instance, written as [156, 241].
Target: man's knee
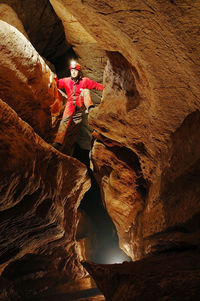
[64, 123]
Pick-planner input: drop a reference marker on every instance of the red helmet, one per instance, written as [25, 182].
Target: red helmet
[75, 65]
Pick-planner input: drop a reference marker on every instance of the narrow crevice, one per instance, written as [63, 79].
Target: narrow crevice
[107, 243]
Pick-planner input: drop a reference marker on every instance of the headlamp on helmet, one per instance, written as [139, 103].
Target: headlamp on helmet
[75, 65]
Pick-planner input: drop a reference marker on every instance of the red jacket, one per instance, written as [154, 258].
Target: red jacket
[73, 90]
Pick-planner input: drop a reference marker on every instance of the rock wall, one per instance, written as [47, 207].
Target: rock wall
[27, 83]
[151, 97]
[42, 26]
[40, 188]
[8, 15]
[160, 277]
[38, 211]
[146, 154]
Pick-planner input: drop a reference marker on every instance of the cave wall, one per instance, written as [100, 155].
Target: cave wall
[27, 83]
[150, 110]
[41, 188]
[42, 26]
[160, 277]
[150, 99]
[146, 150]
[8, 15]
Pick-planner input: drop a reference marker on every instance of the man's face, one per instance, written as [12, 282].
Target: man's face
[74, 73]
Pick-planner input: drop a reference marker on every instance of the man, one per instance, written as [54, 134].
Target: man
[79, 98]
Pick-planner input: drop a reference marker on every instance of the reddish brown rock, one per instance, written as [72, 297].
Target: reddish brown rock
[148, 158]
[40, 192]
[120, 120]
[43, 27]
[27, 83]
[118, 172]
[167, 163]
[161, 277]
[39, 255]
[150, 100]
[150, 108]
[8, 15]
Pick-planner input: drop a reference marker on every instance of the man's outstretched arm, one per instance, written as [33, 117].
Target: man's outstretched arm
[90, 84]
[59, 82]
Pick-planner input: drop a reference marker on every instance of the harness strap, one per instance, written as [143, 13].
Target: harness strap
[74, 94]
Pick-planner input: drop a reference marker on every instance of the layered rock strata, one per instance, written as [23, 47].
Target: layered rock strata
[151, 98]
[149, 112]
[26, 82]
[160, 277]
[41, 188]
[40, 192]
[8, 15]
[147, 155]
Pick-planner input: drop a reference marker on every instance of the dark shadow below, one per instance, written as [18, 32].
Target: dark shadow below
[108, 250]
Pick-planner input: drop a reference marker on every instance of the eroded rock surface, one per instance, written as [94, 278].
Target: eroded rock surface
[26, 82]
[8, 15]
[161, 277]
[147, 153]
[163, 174]
[40, 192]
[151, 98]
[150, 110]
[43, 27]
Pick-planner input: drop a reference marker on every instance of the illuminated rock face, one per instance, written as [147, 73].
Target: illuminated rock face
[150, 108]
[26, 82]
[160, 191]
[146, 156]
[40, 190]
[8, 15]
[41, 24]
[160, 277]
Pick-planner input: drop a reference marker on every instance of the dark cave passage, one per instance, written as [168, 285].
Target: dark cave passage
[62, 62]
[107, 249]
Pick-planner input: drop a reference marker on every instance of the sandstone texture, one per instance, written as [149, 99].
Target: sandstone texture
[151, 98]
[150, 114]
[40, 192]
[42, 25]
[41, 188]
[160, 277]
[145, 155]
[8, 15]
[27, 83]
